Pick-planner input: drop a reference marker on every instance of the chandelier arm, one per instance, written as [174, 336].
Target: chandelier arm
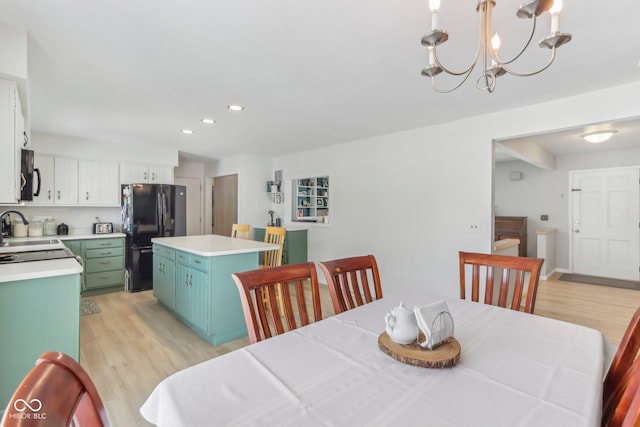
[494, 55]
[513, 73]
[433, 83]
[454, 73]
[471, 66]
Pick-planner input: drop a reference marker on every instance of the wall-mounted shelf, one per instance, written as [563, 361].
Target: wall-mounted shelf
[276, 197]
[311, 199]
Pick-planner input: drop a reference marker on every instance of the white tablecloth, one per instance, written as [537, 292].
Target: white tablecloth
[515, 369]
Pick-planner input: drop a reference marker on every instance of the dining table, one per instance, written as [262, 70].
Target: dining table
[514, 369]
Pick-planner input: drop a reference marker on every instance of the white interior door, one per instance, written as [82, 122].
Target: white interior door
[605, 223]
[194, 204]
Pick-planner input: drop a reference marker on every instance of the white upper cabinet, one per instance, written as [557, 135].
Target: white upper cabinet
[11, 130]
[136, 173]
[66, 181]
[59, 180]
[99, 183]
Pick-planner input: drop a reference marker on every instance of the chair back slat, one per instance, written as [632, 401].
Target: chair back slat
[621, 364]
[278, 315]
[512, 279]
[350, 281]
[624, 409]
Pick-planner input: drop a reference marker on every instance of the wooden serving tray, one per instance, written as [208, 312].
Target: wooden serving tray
[444, 356]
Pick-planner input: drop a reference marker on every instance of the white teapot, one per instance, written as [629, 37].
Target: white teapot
[401, 325]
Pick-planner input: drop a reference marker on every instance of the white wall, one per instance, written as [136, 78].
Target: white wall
[546, 192]
[67, 146]
[409, 198]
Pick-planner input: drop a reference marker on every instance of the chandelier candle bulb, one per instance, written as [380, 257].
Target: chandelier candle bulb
[434, 5]
[432, 60]
[555, 16]
[495, 44]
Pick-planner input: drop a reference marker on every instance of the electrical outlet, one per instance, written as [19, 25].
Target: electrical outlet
[474, 228]
[544, 217]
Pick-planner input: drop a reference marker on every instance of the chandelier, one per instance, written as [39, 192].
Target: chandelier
[487, 52]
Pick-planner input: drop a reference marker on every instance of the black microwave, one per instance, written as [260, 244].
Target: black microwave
[27, 172]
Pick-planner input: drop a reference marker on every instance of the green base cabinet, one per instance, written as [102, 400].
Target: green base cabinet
[36, 316]
[294, 250]
[103, 263]
[199, 291]
[164, 276]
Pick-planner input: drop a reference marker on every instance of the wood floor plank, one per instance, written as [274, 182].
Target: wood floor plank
[133, 343]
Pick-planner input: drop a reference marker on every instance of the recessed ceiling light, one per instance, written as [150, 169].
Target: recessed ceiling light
[235, 107]
[599, 136]
[187, 131]
[208, 121]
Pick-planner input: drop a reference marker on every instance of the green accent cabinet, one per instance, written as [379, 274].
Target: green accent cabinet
[103, 263]
[201, 292]
[294, 250]
[36, 316]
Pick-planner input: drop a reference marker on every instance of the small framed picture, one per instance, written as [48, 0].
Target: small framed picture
[319, 202]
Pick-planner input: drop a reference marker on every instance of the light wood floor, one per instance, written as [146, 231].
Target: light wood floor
[133, 344]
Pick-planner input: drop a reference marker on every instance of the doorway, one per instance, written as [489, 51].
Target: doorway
[194, 204]
[224, 204]
[605, 218]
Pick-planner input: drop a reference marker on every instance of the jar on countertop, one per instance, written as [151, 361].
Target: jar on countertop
[18, 228]
[36, 226]
[50, 227]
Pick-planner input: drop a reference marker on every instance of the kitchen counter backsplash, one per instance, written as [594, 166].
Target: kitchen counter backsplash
[79, 219]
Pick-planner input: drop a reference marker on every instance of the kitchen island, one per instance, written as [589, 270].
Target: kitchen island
[192, 279]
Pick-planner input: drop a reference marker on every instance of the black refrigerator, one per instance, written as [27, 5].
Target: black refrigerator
[149, 211]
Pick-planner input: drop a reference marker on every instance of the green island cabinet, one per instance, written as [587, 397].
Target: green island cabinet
[199, 290]
[103, 260]
[36, 316]
[294, 250]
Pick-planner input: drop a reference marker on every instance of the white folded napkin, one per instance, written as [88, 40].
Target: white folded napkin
[435, 322]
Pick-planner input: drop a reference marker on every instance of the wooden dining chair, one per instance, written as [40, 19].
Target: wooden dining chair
[56, 392]
[486, 265]
[623, 360]
[352, 281]
[625, 405]
[240, 231]
[292, 311]
[273, 235]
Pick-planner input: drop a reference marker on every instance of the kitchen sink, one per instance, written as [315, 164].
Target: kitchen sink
[28, 245]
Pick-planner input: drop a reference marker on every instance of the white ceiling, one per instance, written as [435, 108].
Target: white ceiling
[309, 72]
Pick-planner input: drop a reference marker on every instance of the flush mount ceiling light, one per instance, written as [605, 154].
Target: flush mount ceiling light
[598, 136]
[187, 131]
[233, 107]
[208, 121]
[487, 53]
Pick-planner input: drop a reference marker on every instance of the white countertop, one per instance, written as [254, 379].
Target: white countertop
[39, 269]
[65, 237]
[213, 245]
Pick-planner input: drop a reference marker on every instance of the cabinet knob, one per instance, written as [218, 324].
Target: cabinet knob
[87, 195]
[49, 194]
[58, 194]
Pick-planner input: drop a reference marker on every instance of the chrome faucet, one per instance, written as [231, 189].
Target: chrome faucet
[24, 220]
